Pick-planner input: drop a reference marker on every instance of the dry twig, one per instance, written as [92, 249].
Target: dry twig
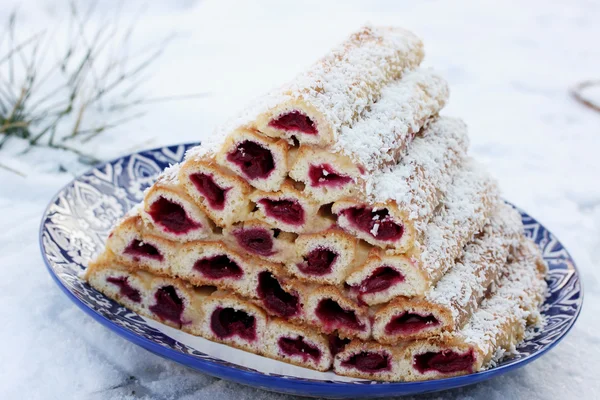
[577, 93]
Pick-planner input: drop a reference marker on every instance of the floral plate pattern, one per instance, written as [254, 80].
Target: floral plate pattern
[76, 224]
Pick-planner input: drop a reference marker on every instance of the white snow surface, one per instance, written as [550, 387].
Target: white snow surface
[510, 66]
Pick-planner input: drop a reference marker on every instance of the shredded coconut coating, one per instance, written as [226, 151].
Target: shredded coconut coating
[381, 135]
[501, 322]
[170, 175]
[340, 86]
[421, 179]
[208, 148]
[463, 287]
[462, 213]
[513, 306]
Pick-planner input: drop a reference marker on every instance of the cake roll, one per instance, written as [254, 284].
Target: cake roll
[494, 330]
[170, 301]
[448, 305]
[260, 160]
[133, 245]
[290, 210]
[214, 263]
[326, 257]
[335, 91]
[330, 310]
[222, 195]
[233, 321]
[464, 211]
[369, 360]
[117, 281]
[281, 296]
[298, 345]
[170, 212]
[261, 240]
[374, 142]
[402, 200]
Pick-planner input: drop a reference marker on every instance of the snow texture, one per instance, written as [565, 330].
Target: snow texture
[510, 66]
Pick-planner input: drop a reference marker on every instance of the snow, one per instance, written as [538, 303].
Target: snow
[510, 66]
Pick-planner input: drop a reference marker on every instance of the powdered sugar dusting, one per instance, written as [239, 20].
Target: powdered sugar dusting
[419, 181]
[380, 136]
[463, 212]
[461, 289]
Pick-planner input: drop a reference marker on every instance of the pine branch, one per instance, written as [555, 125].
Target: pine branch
[95, 74]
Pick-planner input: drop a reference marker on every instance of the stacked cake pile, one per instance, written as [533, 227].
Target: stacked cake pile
[337, 224]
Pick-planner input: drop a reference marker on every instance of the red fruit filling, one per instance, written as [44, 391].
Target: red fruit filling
[125, 289]
[213, 193]
[333, 316]
[218, 267]
[325, 175]
[378, 224]
[286, 211]
[410, 323]
[255, 161]
[337, 344]
[227, 322]
[381, 279]
[255, 240]
[298, 347]
[446, 362]
[169, 306]
[171, 216]
[138, 249]
[318, 262]
[369, 362]
[294, 121]
[274, 298]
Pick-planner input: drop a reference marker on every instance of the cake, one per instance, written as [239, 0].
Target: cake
[339, 224]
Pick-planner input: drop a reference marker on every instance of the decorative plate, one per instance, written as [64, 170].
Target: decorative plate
[78, 220]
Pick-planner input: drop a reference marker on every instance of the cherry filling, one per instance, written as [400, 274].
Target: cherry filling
[410, 323]
[169, 306]
[378, 224]
[381, 279]
[286, 211]
[255, 161]
[171, 216]
[218, 267]
[318, 262]
[333, 316]
[274, 298]
[227, 322]
[137, 249]
[446, 361]
[213, 193]
[255, 240]
[369, 361]
[325, 175]
[298, 347]
[294, 121]
[125, 289]
[337, 344]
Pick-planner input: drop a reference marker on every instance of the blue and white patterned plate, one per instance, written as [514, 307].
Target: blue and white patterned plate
[78, 219]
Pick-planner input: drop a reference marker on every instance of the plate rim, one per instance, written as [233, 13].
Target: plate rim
[289, 384]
